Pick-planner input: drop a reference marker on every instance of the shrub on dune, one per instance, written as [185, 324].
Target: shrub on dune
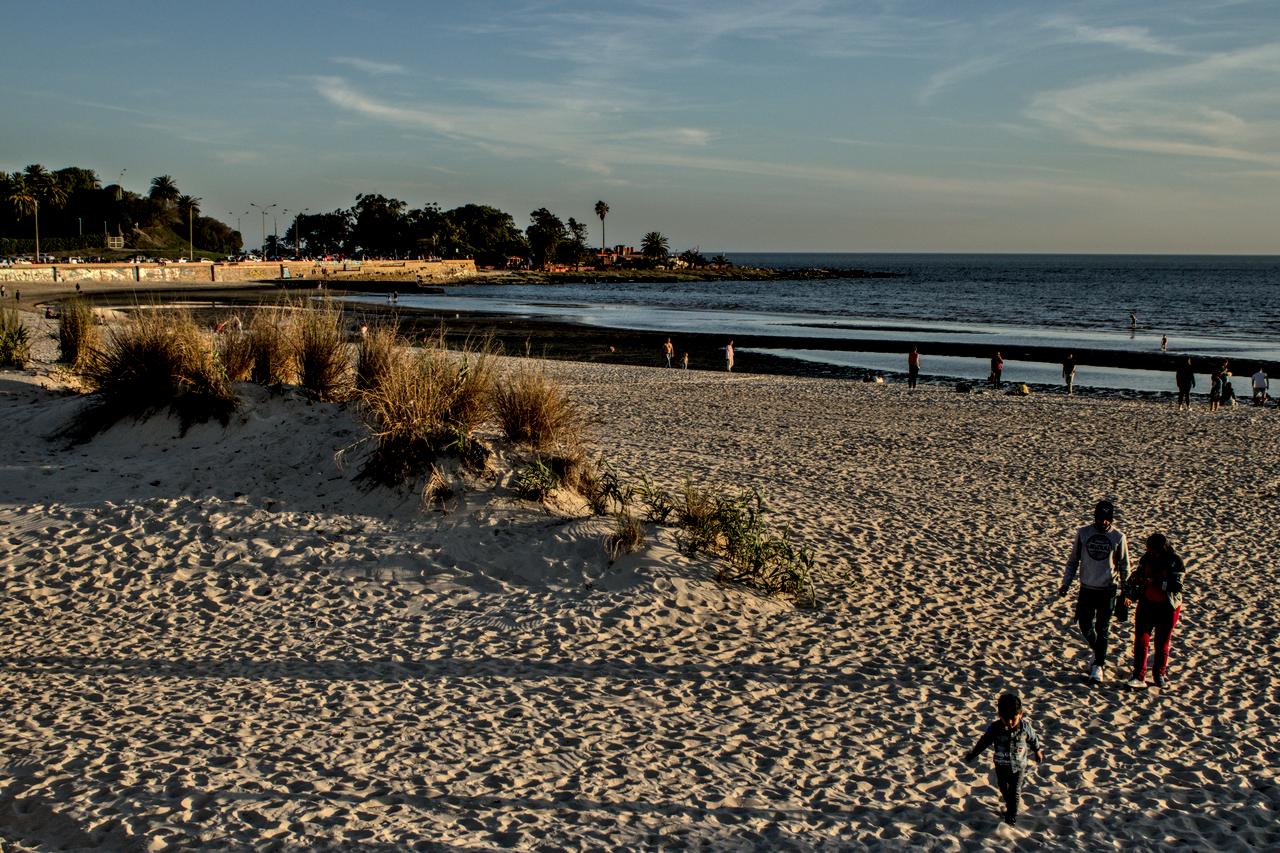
[533, 409]
[374, 354]
[271, 338]
[627, 535]
[236, 353]
[153, 361]
[429, 403]
[78, 335]
[323, 363]
[15, 339]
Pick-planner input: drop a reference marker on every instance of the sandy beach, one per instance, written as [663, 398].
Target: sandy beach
[221, 641]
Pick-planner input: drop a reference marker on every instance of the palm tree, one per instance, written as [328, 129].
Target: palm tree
[602, 210]
[25, 198]
[654, 245]
[191, 208]
[163, 189]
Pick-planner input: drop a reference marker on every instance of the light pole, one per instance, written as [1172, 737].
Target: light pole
[263, 209]
[191, 229]
[297, 232]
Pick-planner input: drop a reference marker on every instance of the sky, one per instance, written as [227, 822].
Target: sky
[783, 125]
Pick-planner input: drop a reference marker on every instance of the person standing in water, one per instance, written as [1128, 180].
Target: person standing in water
[1069, 371]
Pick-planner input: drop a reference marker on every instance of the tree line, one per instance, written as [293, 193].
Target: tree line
[70, 208]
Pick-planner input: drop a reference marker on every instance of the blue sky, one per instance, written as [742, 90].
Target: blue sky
[784, 125]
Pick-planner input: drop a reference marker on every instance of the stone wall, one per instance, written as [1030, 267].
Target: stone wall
[389, 271]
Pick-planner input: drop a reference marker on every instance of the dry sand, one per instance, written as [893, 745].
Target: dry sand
[220, 641]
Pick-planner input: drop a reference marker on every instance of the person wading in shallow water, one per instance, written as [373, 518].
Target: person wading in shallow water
[1100, 553]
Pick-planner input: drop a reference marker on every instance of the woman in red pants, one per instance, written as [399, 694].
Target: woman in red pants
[1156, 587]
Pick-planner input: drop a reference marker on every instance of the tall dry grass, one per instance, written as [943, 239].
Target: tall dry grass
[235, 350]
[154, 360]
[374, 353]
[429, 403]
[272, 336]
[15, 339]
[534, 409]
[78, 334]
[323, 360]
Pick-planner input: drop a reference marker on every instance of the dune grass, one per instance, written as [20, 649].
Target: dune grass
[271, 339]
[155, 360]
[535, 410]
[78, 334]
[374, 353]
[429, 403]
[626, 537]
[319, 347]
[15, 339]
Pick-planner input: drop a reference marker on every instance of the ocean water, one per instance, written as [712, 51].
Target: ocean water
[1206, 305]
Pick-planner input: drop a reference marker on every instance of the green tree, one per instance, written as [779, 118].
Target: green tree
[655, 245]
[487, 234]
[574, 250]
[379, 225]
[602, 210]
[545, 232]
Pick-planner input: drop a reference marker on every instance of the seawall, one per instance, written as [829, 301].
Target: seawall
[408, 271]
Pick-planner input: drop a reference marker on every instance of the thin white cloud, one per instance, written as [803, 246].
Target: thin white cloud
[369, 66]
[1185, 110]
[948, 77]
[1130, 38]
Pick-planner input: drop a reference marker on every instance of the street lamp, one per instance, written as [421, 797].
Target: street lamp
[263, 209]
[191, 228]
[297, 232]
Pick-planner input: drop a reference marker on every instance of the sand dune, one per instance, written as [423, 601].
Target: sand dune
[221, 640]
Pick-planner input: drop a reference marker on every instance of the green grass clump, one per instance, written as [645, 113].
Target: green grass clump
[533, 409]
[15, 339]
[732, 527]
[78, 334]
[536, 481]
[319, 346]
[428, 403]
[153, 361]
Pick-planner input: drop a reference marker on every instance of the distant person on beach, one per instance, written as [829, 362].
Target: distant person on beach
[668, 351]
[1186, 379]
[1260, 387]
[1164, 343]
[997, 370]
[1228, 391]
[1014, 740]
[1215, 390]
[1100, 553]
[913, 367]
[1133, 320]
[684, 362]
[728, 356]
[1156, 587]
[1069, 371]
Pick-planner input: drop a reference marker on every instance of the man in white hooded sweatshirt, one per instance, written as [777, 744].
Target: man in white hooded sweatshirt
[1100, 553]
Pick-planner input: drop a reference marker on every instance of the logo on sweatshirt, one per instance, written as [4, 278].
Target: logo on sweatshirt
[1099, 546]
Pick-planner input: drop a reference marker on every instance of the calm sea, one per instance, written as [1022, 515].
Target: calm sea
[1206, 305]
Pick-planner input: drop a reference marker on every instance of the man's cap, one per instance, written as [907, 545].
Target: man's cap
[1104, 510]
